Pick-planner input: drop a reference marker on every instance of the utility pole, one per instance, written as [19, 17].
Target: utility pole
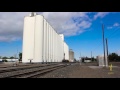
[80, 58]
[91, 55]
[107, 52]
[103, 41]
[80, 54]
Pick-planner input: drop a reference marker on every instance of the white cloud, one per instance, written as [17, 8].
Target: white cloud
[68, 23]
[63, 22]
[116, 24]
[113, 26]
[11, 25]
[100, 14]
[109, 27]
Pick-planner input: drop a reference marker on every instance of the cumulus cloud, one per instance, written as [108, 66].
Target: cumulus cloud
[109, 27]
[11, 25]
[116, 24]
[100, 14]
[67, 23]
[113, 26]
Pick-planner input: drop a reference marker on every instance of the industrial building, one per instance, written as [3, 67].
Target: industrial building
[41, 43]
[71, 55]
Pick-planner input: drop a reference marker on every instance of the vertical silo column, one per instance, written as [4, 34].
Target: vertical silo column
[49, 43]
[53, 45]
[38, 38]
[56, 49]
[68, 53]
[43, 46]
[59, 49]
[45, 40]
[28, 39]
[62, 50]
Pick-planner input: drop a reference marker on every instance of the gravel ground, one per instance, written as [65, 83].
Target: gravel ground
[84, 71]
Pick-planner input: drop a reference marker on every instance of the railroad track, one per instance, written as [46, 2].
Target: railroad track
[2, 66]
[31, 72]
[10, 69]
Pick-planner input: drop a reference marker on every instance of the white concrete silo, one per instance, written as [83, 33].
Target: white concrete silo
[41, 43]
[45, 41]
[38, 40]
[66, 51]
[32, 38]
[28, 39]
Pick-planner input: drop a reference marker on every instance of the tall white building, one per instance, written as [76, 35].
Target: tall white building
[41, 43]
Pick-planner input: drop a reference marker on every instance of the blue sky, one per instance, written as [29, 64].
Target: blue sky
[82, 30]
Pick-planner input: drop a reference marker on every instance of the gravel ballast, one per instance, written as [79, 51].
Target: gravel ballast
[83, 71]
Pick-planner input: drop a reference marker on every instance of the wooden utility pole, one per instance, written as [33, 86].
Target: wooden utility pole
[107, 50]
[91, 55]
[103, 41]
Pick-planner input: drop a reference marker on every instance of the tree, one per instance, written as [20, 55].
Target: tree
[118, 58]
[113, 57]
[20, 57]
[4, 59]
[82, 59]
[0, 57]
[11, 57]
[75, 60]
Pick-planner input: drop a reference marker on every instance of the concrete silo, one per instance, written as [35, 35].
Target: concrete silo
[41, 43]
[71, 55]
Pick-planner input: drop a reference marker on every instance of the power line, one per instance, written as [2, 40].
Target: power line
[110, 35]
[115, 30]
